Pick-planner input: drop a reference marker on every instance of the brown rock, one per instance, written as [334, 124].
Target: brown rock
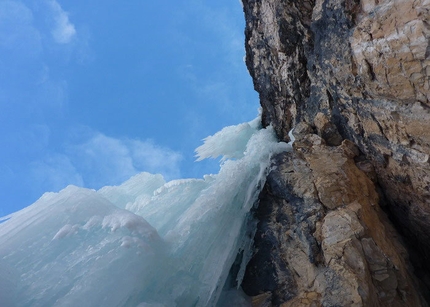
[327, 130]
[356, 71]
[344, 255]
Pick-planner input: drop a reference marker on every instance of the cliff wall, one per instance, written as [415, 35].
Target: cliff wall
[352, 79]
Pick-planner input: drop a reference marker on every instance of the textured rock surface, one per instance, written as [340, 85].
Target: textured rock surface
[322, 239]
[352, 72]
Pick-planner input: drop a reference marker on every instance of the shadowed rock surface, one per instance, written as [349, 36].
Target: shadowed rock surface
[352, 78]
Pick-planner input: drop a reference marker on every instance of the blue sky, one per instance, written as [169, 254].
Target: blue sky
[93, 92]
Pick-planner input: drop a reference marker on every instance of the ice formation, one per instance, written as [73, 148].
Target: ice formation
[143, 243]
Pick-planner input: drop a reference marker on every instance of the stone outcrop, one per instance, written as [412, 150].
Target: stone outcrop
[352, 78]
[322, 239]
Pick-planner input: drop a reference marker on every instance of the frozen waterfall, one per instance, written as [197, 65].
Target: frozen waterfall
[142, 243]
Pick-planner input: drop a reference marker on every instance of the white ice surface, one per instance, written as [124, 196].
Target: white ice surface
[143, 243]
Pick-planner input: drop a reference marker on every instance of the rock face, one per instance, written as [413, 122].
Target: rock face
[352, 78]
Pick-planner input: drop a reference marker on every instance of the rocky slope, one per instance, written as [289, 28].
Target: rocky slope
[352, 78]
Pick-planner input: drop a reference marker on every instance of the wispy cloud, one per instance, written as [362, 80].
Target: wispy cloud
[224, 87]
[17, 32]
[64, 30]
[104, 160]
[148, 156]
[99, 160]
[227, 31]
[54, 173]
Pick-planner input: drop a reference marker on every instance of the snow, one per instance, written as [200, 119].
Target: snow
[145, 242]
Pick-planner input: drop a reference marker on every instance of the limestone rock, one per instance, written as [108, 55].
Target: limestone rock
[356, 73]
[322, 239]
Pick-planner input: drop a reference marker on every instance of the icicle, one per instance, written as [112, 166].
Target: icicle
[145, 242]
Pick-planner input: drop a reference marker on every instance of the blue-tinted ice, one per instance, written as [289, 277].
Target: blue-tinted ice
[143, 243]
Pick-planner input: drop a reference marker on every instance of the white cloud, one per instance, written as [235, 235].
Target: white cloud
[64, 30]
[17, 33]
[152, 158]
[54, 173]
[101, 160]
[104, 160]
